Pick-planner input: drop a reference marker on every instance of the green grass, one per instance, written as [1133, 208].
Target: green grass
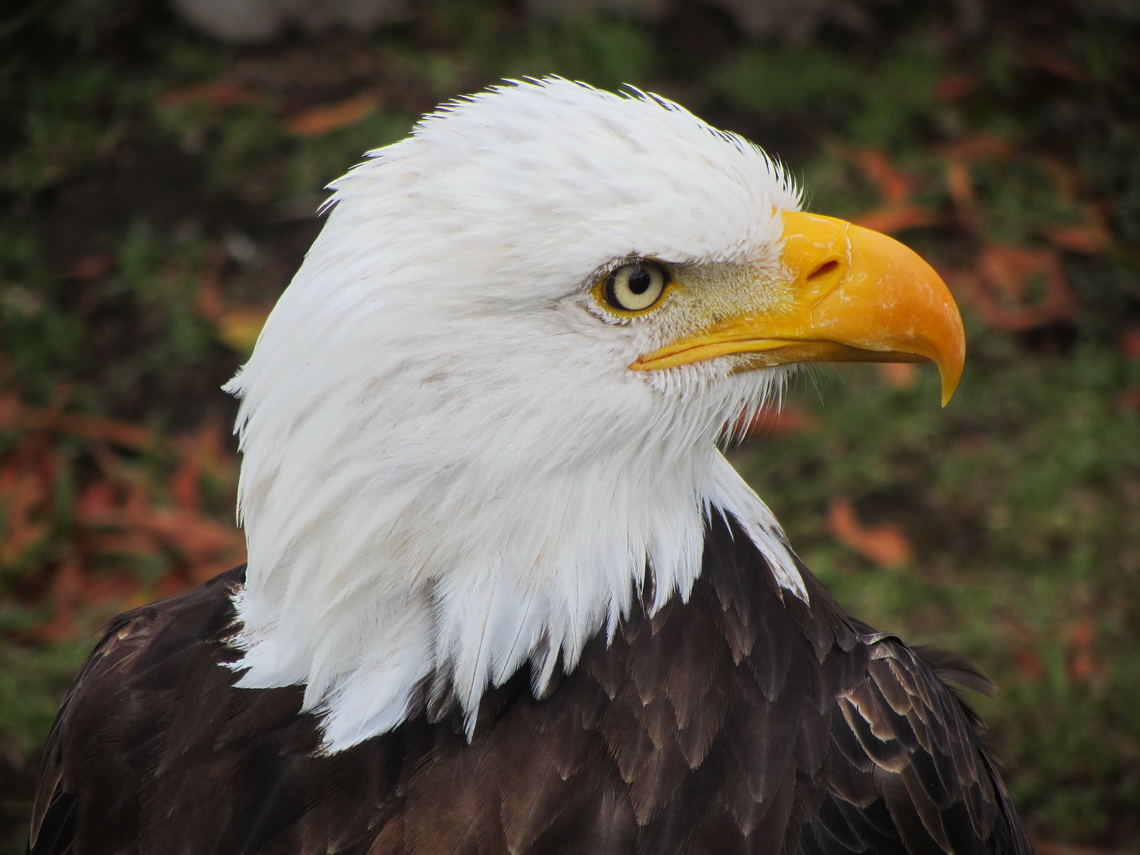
[1018, 499]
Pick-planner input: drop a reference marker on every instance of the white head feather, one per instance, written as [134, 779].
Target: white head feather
[449, 470]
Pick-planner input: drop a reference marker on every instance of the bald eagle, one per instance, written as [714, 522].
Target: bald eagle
[504, 594]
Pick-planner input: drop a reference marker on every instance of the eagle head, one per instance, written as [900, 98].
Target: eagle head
[485, 414]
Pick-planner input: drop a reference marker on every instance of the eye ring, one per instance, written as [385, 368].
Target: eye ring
[634, 287]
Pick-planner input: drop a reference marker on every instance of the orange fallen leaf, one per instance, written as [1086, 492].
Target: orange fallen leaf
[112, 431]
[317, 121]
[893, 184]
[1090, 238]
[892, 219]
[1018, 288]
[219, 93]
[14, 415]
[884, 545]
[191, 536]
[960, 186]
[113, 543]
[979, 147]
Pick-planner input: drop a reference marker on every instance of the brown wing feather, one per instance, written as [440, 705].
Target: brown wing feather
[742, 721]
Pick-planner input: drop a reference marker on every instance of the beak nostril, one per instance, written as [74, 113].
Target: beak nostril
[824, 271]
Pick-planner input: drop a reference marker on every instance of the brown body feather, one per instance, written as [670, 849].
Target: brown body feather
[742, 721]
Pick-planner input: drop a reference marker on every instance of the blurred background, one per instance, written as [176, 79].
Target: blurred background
[161, 165]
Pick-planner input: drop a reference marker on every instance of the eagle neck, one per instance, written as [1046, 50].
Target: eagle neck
[384, 648]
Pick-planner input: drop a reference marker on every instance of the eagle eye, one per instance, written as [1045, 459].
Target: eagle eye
[634, 287]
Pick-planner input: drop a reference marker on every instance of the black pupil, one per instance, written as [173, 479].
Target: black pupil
[639, 281]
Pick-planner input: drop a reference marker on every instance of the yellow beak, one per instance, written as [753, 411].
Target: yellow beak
[855, 296]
